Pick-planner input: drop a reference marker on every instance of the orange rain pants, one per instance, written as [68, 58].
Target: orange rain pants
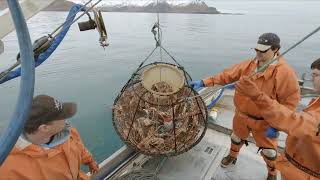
[36, 163]
[278, 81]
[301, 160]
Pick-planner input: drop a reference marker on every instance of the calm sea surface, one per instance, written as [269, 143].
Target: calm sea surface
[81, 71]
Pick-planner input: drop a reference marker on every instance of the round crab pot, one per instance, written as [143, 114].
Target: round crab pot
[157, 113]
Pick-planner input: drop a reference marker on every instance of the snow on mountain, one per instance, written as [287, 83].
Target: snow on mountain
[149, 6]
[141, 2]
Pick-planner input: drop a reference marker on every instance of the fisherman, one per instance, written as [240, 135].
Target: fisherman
[301, 158]
[49, 148]
[278, 81]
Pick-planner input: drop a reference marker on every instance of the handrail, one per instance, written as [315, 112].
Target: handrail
[23, 105]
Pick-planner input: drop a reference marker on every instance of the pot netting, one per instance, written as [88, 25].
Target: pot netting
[153, 114]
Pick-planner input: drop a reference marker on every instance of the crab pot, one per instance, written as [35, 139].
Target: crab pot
[157, 113]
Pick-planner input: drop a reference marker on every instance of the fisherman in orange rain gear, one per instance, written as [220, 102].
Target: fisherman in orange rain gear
[49, 147]
[278, 81]
[301, 158]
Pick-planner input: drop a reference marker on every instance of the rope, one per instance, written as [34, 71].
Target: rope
[170, 56]
[159, 30]
[157, 35]
[55, 43]
[138, 175]
[143, 174]
[309, 95]
[216, 99]
[159, 39]
[141, 64]
[6, 72]
[43, 52]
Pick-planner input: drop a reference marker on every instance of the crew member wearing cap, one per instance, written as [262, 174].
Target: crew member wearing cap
[301, 158]
[49, 148]
[278, 81]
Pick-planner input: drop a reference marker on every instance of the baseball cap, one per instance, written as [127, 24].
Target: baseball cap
[267, 40]
[46, 109]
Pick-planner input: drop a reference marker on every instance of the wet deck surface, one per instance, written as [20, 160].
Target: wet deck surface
[201, 162]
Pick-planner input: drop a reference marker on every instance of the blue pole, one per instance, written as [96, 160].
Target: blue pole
[12, 133]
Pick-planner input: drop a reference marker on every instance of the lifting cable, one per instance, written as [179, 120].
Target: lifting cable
[157, 34]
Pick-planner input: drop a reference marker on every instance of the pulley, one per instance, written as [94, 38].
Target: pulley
[96, 23]
[39, 46]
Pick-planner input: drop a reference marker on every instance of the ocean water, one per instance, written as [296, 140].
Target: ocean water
[83, 72]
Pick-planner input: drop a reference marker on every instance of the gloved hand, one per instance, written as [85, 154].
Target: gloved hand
[196, 84]
[93, 167]
[248, 88]
[272, 132]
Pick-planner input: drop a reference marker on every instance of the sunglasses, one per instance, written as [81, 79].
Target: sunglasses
[257, 50]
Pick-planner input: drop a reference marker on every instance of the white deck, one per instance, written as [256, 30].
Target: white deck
[201, 162]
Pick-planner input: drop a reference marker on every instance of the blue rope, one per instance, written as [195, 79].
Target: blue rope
[10, 136]
[215, 100]
[56, 42]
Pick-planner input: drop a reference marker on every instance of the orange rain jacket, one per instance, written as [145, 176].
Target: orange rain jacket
[301, 160]
[278, 81]
[34, 162]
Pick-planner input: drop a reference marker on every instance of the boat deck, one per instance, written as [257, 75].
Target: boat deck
[201, 162]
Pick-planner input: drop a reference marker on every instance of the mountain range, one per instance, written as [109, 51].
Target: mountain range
[164, 6]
